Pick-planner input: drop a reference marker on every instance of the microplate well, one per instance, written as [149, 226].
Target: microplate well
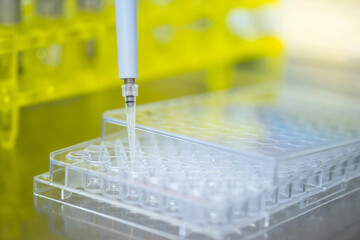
[218, 164]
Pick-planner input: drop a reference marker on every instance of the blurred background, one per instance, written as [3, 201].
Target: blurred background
[58, 70]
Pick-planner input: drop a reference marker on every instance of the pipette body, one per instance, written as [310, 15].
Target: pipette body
[127, 46]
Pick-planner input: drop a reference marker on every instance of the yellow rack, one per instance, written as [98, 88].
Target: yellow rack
[48, 58]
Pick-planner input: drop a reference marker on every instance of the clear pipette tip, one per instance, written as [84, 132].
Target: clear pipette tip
[130, 92]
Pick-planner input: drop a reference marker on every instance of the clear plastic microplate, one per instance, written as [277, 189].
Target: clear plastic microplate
[227, 164]
[76, 223]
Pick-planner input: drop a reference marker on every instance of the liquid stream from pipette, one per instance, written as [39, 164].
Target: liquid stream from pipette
[130, 118]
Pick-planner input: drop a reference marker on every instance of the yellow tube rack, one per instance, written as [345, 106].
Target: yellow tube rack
[46, 59]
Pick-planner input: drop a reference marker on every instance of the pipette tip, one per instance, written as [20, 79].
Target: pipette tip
[130, 92]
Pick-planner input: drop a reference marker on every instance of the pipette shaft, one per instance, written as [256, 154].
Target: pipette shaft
[126, 31]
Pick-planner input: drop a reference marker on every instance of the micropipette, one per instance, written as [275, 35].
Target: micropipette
[126, 31]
